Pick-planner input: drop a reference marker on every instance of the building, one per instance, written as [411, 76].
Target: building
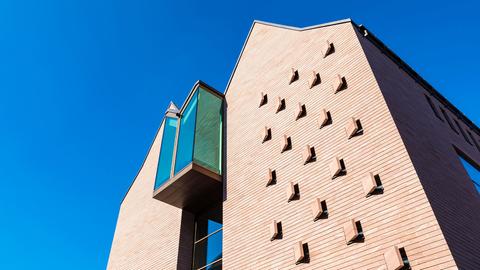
[326, 151]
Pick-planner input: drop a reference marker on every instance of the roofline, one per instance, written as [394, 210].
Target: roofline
[382, 47]
[419, 79]
[348, 20]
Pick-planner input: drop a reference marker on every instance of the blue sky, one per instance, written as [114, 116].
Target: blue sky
[84, 84]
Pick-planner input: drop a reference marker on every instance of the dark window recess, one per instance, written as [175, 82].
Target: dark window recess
[406, 263]
[449, 121]
[474, 141]
[463, 132]
[432, 106]
[360, 236]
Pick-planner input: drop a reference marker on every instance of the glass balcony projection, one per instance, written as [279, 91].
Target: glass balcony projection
[190, 165]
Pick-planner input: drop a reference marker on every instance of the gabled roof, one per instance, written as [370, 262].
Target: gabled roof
[382, 47]
[348, 20]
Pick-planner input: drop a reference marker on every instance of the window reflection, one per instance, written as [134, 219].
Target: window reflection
[166, 151]
[208, 239]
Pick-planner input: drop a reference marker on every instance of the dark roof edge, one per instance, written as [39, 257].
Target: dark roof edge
[348, 20]
[195, 86]
[410, 71]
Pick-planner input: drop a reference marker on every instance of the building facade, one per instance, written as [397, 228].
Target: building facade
[326, 151]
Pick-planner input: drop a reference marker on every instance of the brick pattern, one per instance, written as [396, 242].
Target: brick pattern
[150, 234]
[401, 216]
[430, 143]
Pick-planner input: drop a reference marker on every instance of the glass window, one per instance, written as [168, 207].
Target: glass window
[473, 172]
[166, 151]
[208, 131]
[186, 135]
[208, 240]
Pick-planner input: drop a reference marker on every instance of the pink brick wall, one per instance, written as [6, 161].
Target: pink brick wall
[148, 231]
[402, 215]
[430, 144]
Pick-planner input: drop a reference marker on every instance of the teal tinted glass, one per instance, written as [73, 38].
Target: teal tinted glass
[472, 172]
[208, 131]
[166, 151]
[186, 135]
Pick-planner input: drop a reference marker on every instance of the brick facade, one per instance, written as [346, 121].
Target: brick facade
[428, 205]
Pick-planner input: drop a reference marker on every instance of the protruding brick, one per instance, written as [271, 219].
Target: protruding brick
[270, 177]
[263, 99]
[293, 75]
[291, 192]
[327, 48]
[369, 184]
[352, 127]
[335, 167]
[299, 110]
[285, 143]
[393, 258]
[350, 230]
[273, 230]
[307, 154]
[279, 104]
[322, 119]
[314, 79]
[299, 254]
[338, 83]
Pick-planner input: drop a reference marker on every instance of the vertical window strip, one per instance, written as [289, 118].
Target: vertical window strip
[463, 132]
[432, 106]
[449, 121]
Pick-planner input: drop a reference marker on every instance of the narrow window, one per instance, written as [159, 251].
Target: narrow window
[472, 171]
[208, 239]
[449, 121]
[463, 132]
[432, 106]
[474, 140]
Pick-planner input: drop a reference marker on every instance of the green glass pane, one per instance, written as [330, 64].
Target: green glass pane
[166, 151]
[208, 131]
[186, 135]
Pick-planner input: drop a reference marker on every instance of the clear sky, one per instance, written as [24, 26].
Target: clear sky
[84, 84]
